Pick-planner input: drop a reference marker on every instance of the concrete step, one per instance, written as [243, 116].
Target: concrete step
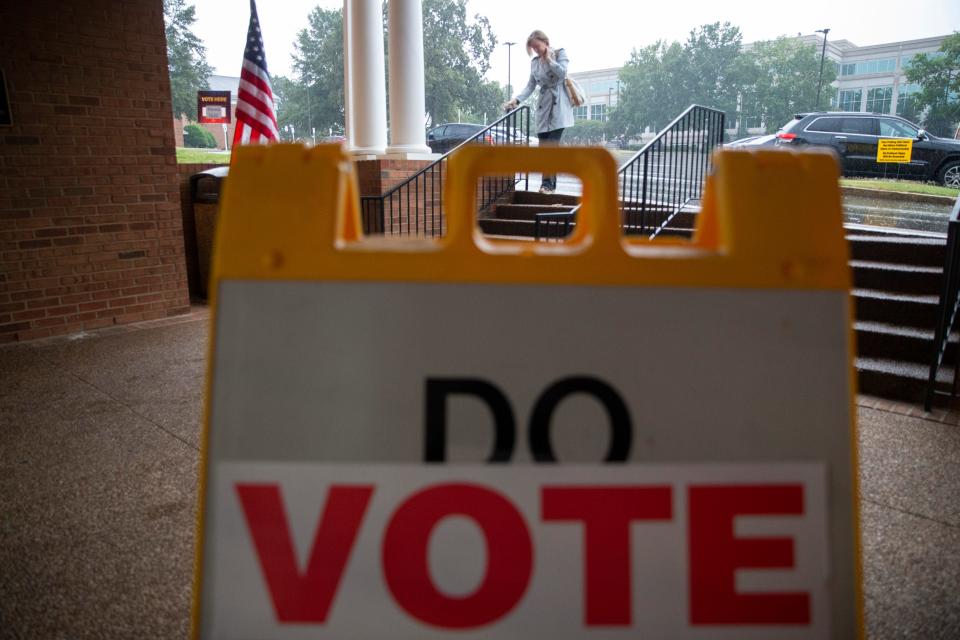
[901, 309]
[897, 249]
[535, 197]
[528, 211]
[897, 380]
[891, 276]
[497, 227]
[500, 238]
[896, 342]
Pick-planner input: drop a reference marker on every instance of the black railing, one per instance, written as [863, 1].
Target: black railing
[415, 206]
[667, 175]
[554, 226]
[947, 310]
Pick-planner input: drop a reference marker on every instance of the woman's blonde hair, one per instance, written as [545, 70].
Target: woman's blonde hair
[536, 35]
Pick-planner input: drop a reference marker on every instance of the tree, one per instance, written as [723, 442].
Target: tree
[654, 89]
[939, 78]
[585, 132]
[456, 55]
[714, 53]
[189, 71]
[785, 75]
[315, 100]
[768, 83]
[661, 80]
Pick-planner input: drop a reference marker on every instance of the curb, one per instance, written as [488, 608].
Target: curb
[897, 195]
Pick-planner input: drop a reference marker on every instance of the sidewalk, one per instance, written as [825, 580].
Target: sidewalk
[99, 456]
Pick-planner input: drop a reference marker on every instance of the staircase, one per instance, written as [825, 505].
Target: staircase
[514, 217]
[896, 290]
[897, 278]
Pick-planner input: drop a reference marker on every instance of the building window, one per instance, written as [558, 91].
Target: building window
[602, 87]
[887, 65]
[849, 100]
[598, 112]
[907, 101]
[580, 113]
[879, 99]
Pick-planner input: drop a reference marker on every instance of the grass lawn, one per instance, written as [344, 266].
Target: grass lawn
[201, 156]
[904, 186]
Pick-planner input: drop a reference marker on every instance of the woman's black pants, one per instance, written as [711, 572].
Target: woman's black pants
[548, 138]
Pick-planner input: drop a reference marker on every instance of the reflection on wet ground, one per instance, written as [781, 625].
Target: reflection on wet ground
[894, 214]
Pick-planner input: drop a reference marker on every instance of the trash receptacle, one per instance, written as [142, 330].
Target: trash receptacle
[205, 196]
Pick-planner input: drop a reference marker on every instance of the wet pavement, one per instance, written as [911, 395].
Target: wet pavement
[896, 214]
[885, 211]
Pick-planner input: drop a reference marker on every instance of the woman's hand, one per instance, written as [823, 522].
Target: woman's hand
[510, 106]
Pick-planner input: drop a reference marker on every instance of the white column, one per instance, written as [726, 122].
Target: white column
[347, 93]
[368, 81]
[405, 34]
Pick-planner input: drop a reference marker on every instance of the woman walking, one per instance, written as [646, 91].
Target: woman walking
[554, 113]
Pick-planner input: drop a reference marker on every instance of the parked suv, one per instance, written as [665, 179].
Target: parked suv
[445, 137]
[854, 137]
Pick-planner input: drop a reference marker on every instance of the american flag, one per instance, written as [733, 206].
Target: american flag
[256, 119]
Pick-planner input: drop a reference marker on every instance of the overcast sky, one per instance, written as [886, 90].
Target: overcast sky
[597, 34]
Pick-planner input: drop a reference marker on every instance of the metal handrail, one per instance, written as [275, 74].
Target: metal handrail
[663, 177]
[415, 206]
[947, 308]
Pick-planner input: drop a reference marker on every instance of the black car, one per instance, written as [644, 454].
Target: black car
[769, 140]
[444, 137]
[855, 137]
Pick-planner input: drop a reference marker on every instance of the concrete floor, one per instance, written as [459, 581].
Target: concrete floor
[99, 448]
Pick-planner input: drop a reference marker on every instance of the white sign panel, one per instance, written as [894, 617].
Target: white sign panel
[512, 461]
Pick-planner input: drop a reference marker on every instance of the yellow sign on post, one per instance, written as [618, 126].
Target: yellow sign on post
[462, 438]
[894, 149]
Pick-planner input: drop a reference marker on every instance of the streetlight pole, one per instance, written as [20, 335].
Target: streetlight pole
[509, 84]
[823, 53]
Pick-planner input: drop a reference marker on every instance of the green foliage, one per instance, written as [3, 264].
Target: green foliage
[197, 137]
[196, 156]
[784, 77]
[768, 83]
[585, 132]
[315, 98]
[714, 53]
[654, 89]
[189, 71]
[939, 78]
[660, 80]
[456, 55]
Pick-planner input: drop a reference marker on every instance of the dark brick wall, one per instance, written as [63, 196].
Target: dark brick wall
[90, 222]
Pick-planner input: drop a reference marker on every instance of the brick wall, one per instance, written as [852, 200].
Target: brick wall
[90, 222]
[417, 208]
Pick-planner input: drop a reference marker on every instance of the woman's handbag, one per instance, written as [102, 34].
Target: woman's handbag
[574, 91]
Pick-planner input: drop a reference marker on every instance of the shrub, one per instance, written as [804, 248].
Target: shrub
[197, 137]
[585, 132]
